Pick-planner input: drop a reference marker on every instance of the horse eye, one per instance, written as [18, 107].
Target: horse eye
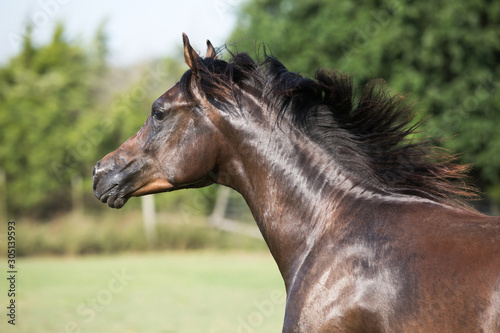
[158, 114]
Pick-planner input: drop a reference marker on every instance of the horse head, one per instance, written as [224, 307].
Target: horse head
[176, 148]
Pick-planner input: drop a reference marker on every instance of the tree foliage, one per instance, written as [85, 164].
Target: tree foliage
[62, 108]
[47, 114]
[446, 55]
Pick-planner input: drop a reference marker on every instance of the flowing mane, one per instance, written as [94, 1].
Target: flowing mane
[370, 136]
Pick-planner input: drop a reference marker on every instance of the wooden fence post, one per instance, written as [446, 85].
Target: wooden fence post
[77, 193]
[149, 218]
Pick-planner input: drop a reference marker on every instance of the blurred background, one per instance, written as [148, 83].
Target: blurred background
[78, 78]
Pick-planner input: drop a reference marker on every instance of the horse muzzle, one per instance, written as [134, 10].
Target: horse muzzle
[115, 182]
[108, 185]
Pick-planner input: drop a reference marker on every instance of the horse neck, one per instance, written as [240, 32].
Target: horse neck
[291, 185]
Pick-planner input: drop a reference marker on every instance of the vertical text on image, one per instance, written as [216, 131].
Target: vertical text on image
[11, 272]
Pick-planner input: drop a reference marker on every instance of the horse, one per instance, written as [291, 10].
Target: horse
[369, 225]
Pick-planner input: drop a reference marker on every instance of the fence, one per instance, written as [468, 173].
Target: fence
[232, 214]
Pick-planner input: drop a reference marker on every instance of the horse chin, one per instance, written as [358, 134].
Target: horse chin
[117, 202]
[114, 200]
[154, 186]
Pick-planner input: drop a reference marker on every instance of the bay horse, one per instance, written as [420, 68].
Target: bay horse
[366, 223]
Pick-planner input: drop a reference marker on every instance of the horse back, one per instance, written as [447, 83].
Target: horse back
[453, 263]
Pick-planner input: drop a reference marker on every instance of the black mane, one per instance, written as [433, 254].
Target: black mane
[372, 135]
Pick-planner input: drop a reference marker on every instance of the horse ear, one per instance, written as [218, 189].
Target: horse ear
[211, 53]
[190, 56]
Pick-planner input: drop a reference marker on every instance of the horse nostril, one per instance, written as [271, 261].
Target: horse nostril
[97, 165]
[94, 175]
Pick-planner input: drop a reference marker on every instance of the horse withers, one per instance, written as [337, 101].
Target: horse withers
[368, 228]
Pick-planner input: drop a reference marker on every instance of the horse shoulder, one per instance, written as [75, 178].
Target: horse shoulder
[347, 288]
[395, 265]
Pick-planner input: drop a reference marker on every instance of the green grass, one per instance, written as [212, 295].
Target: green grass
[115, 232]
[165, 292]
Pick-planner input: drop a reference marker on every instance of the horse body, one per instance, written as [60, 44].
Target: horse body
[357, 254]
[360, 261]
[388, 271]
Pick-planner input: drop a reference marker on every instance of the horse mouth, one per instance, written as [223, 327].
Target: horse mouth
[113, 197]
[117, 199]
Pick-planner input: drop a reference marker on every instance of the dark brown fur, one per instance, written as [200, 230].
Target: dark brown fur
[365, 223]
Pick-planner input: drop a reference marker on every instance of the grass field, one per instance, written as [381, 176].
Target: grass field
[154, 293]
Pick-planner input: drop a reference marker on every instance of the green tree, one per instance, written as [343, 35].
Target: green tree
[47, 117]
[446, 55]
